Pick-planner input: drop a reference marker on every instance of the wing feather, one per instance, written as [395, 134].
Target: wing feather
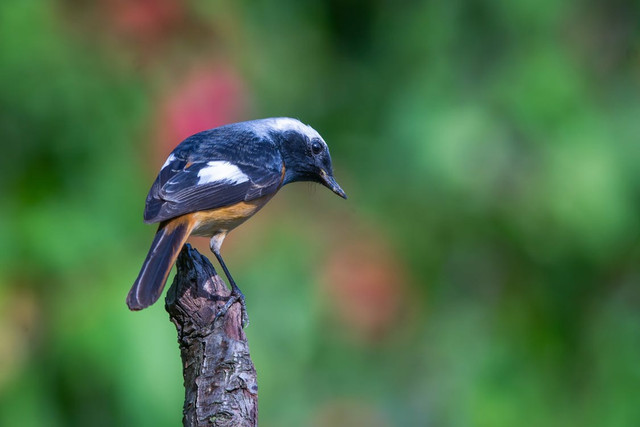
[183, 187]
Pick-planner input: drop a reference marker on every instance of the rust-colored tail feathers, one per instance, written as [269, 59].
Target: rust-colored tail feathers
[166, 246]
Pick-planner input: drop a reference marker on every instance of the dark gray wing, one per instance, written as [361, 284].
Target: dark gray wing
[183, 187]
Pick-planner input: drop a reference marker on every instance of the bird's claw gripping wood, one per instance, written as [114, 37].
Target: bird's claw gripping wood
[235, 297]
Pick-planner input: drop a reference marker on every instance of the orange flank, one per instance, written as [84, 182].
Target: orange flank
[210, 222]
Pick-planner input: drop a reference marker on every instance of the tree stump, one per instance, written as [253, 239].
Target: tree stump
[219, 377]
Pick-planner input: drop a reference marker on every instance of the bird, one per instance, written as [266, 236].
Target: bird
[215, 180]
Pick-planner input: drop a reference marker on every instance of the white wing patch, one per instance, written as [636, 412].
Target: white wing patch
[170, 159]
[219, 170]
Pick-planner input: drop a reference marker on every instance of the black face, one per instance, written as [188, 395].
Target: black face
[308, 159]
[319, 156]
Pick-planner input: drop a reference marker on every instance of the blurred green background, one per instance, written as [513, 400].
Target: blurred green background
[484, 272]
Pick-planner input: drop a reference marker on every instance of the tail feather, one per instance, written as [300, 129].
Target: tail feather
[165, 248]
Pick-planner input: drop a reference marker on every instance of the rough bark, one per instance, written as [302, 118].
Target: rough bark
[219, 376]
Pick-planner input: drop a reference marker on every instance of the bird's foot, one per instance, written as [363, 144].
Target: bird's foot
[236, 296]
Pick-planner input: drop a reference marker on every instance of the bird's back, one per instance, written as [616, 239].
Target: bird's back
[216, 168]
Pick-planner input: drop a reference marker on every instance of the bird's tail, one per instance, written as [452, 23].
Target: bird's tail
[166, 246]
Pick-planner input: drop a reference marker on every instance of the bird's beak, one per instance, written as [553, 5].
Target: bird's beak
[330, 182]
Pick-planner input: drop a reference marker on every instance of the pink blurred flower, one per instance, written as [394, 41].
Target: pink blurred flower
[143, 20]
[366, 284]
[207, 97]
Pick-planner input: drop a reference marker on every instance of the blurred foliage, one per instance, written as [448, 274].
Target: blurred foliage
[484, 272]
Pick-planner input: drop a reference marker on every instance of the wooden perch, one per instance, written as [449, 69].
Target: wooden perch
[219, 376]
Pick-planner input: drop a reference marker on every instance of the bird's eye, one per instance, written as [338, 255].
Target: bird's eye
[316, 147]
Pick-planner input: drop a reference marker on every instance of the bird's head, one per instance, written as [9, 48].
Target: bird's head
[305, 154]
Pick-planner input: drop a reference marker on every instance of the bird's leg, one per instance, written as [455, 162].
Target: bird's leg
[236, 293]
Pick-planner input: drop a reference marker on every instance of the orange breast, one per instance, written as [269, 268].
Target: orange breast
[226, 218]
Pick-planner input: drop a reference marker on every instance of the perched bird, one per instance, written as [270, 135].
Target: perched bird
[215, 180]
